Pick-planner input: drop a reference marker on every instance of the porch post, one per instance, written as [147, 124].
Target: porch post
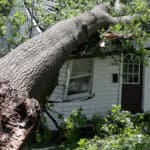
[120, 80]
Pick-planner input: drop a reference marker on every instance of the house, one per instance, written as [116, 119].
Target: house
[95, 84]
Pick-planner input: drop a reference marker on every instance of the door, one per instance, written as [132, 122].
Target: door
[132, 84]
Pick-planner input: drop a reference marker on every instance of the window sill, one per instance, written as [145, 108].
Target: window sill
[79, 97]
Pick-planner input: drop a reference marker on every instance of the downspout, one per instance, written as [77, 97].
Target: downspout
[120, 80]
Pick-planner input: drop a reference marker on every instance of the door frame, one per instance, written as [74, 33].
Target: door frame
[120, 84]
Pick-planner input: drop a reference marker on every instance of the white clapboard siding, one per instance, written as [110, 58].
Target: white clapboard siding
[105, 91]
[147, 43]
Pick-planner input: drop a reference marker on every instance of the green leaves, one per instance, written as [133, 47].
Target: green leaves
[71, 8]
[138, 29]
[6, 6]
[75, 120]
[11, 21]
[2, 25]
[19, 18]
[122, 132]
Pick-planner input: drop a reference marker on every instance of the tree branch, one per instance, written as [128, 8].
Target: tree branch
[53, 120]
[118, 7]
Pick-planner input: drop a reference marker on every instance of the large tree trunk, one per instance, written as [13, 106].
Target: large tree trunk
[33, 66]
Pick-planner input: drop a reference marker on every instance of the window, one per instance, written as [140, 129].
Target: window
[79, 80]
[131, 70]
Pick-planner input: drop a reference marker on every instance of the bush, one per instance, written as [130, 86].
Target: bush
[116, 142]
[71, 127]
[115, 122]
[118, 130]
[142, 121]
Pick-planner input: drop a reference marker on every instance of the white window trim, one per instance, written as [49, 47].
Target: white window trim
[79, 96]
[139, 73]
[69, 71]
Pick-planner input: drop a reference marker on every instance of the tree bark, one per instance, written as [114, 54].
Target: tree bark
[33, 66]
[18, 116]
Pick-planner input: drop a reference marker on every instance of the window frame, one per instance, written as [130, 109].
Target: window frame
[132, 74]
[79, 96]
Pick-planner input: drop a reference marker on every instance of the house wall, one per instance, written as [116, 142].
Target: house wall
[106, 92]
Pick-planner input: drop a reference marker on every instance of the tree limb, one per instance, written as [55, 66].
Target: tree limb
[53, 119]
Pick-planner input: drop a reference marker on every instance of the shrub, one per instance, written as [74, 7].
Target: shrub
[97, 123]
[71, 127]
[118, 130]
[116, 142]
[115, 122]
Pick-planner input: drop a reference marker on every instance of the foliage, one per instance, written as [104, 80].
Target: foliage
[11, 22]
[132, 141]
[42, 136]
[71, 8]
[5, 6]
[115, 122]
[72, 125]
[75, 120]
[142, 121]
[118, 130]
[135, 33]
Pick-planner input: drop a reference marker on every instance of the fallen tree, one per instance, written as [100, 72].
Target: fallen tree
[32, 68]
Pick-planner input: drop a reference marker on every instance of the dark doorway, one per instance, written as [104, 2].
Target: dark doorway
[132, 84]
